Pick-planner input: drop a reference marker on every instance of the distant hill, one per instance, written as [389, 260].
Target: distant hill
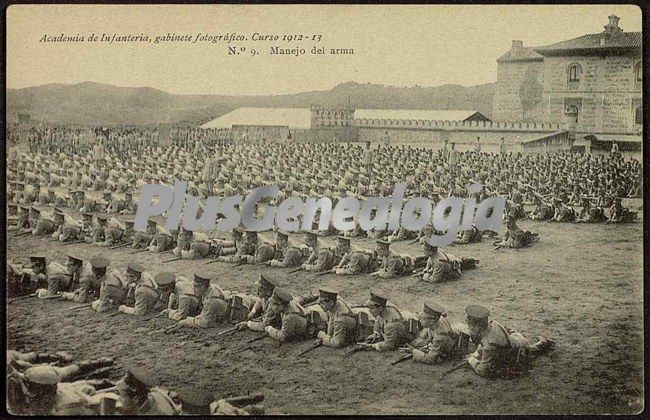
[92, 103]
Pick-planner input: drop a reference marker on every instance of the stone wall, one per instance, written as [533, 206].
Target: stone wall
[518, 95]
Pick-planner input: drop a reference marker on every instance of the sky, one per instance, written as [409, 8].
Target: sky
[396, 45]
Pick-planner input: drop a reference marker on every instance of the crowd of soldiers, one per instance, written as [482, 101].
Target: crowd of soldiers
[69, 195]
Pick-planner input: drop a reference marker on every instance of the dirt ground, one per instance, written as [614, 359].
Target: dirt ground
[580, 285]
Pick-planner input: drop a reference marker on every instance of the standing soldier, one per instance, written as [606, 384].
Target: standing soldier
[341, 321]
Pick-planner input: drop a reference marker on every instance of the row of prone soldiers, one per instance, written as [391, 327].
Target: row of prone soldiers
[42, 384]
[427, 337]
[246, 247]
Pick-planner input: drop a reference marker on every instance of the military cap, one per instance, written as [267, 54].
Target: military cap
[326, 294]
[34, 209]
[129, 222]
[164, 278]
[195, 401]
[87, 215]
[432, 309]
[102, 217]
[202, 277]
[137, 378]
[99, 262]
[477, 313]
[59, 215]
[376, 299]
[238, 230]
[251, 232]
[134, 267]
[311, 234]
[268, 282]
[42, 375]
[427, 245]
[343, 238]
[151, 222]
[24, 208]
[75, 258]
[283, 234]
[37, 260]
[281, 296]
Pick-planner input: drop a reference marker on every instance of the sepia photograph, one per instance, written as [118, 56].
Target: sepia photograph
[323, 209]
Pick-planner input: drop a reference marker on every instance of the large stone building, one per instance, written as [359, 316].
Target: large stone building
[593, 83]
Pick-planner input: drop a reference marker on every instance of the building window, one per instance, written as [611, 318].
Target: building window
[638, 115]
[638, 72]
[574, 73]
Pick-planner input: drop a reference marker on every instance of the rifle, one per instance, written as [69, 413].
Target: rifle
[417, 273]
[254, 339]
[295, 270]
[172, 259]
[227, 331]
[22, 233]
[211, 262]
[113, 314]
[353, 350]
[138, 251]
[245, 400]
[454, 368]
[320, 273]
[58, 295]
[85, 305]
[414, 241]
[78, 241]
[22, 297]
[120, 245]
[401, 359]
[314, 346]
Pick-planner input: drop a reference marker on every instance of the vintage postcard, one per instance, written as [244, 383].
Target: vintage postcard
[324, 209]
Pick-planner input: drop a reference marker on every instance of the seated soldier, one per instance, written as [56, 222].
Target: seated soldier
[46, 226]
[162, 241]
[99, 230]
[341, 320]
[290, 255]
[468, 236]
[214, 308]
[182, 300]
[113, 293]
[183, 242]
[390, 330]
[442, 266]
[392, 265]
[541, 211]
[620, 214]
[323, 258]
[146, 295]
[589, 213]
[293, 320]
[356, 262]
[138, 396]
[141, 240]
[500, 351]
[563, 213]
[78, 230]
[58, 280]
[91, 282]
[43, 394]
[515, 237]
[437, 341]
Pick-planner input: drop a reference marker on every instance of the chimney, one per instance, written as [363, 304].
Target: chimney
[516, 45]
[612, 26]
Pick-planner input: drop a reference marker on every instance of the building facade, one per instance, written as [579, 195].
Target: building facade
[592, 84]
